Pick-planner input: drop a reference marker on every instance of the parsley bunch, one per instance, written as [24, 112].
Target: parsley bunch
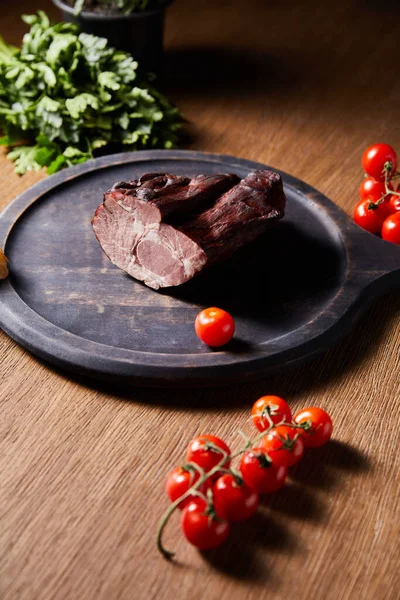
[66, 94]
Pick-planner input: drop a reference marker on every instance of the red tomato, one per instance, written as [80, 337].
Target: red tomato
[371, 188]
[273, 406]
[203, 454]
[201, 528]
[394, 203]
[375, 157]
[391, 229]
[234, 501]
[319, 429]
[284, 445]
[180, 480]
[370, 216]
[260, 473]
[214, 326]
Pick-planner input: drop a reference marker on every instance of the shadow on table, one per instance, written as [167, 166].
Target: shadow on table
[319, 467]
[225, 70]
[391, 7]
[240, 557]
[295, 501]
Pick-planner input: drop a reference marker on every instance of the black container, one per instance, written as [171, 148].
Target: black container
[140, 33]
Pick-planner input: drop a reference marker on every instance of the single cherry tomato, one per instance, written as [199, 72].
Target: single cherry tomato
[259, 472]
[375, 157]
[214, 326]
[391, 229]
[370, 215]
[234, 500]
[274, 407]
[201, 527]
[180, 480]
[394, 203]
[201, 451]
[284, 445]
[371, 188]
[318, 426]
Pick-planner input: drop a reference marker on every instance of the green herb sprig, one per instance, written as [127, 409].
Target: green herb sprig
[126, 7]
[64, 95]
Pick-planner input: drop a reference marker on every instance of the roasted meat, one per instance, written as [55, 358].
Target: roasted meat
[163, 229]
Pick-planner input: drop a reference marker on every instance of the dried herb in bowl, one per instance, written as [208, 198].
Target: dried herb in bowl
[125, 7]
[66, 94]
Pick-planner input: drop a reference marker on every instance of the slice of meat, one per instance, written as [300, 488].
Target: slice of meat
[135, 240]
[169, 233]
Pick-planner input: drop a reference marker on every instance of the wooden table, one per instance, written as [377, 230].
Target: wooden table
[304, 88]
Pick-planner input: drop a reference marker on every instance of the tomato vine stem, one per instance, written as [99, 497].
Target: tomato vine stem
[194, 489]
[388, 176]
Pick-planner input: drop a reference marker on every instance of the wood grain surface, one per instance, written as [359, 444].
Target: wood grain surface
[305, 88]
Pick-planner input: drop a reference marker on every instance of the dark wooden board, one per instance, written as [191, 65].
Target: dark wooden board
[293, 293]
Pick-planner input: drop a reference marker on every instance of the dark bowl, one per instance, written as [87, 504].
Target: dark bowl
[140, 33]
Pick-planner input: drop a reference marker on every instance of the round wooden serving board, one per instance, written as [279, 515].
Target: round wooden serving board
[292, 293]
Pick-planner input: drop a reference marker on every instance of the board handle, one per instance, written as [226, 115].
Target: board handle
[375, 262]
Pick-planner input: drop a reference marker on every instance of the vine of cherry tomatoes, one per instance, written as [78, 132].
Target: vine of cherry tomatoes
[212, 494]
[378, 211]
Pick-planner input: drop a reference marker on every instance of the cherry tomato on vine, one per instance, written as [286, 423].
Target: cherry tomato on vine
[370, 216]
[284, 445]
[180, 480]
[214, 326]
[201, 527]
[375, 157]
[201, 452]
[259, 472]
[319, 428]
[371, 188]
[391, 229]
[273, 406]
[394, 203]
[234, 501]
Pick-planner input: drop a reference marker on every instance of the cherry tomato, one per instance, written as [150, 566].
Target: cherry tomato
[234, 501]
[394, 203]
[259, 472]
[273, 406]
[203, 454]
[371, 188]
[319, 429]
[201, 528]
[214, 326]
[370, 216]
[284, 445]
[391, 229]
[375, 157]
[180, 480]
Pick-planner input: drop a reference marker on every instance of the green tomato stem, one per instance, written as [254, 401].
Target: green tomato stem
[193, 490]
[387, 179]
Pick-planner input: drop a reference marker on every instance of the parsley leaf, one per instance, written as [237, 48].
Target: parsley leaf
[66, 94]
